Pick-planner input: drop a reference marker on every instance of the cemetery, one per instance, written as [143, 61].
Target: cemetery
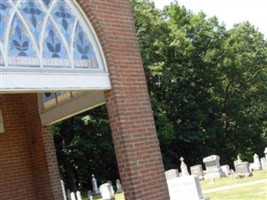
[117, 100]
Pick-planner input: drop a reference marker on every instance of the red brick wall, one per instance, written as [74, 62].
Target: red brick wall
[25, 171]
[130, 114]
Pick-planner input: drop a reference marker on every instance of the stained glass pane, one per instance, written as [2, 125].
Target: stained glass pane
[83, 48]
[53, 47]
[65, 19]
[34, 16]
[4, 16]
[20, 44]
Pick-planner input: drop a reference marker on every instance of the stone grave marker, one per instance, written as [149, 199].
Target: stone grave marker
[213, 168]
[185, 188]
[89, 195]
[226, 170]
[256, 165]
[63, 189]
[94, 185]
[263, 163]
[119, 186]
[242, 169]
[184, 169]
[78, 195]
[72, 196]
[197, 170]
[107, 192]
[172, 173]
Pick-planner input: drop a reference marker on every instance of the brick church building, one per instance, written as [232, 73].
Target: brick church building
[59, 58]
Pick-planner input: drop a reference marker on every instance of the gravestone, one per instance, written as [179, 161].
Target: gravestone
[119, 186]
[256, 165]
[184, 169]
[238, 160]
[185, 188]
[94, 185]
[89, 195]
[172, 173]
[242, 170]
[107, 192]
[263, 163]
[68, 194]
[72, 196]
[265, 152]
[226, 170]
[78, 195]
[197, 170]
[213, 168]
[63, 190]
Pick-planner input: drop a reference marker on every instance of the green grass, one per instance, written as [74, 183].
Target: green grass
[252, 192]
[257, 175]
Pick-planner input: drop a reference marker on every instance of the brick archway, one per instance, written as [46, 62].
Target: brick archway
[130, 115]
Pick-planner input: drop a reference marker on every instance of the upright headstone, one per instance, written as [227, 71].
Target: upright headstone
[68, 194]
[94, 185]
[265, 152]
[63, 190]
[107, 192]
[197, 170]
[119, 186]
[256, 165]
[242, 170]
[238, 160]
[213, 168]
[72, 196]
[185, 188]
[89, 195]
[78, 195]
[184, 169]
[172, 173]
[226, 170]
[263, 163]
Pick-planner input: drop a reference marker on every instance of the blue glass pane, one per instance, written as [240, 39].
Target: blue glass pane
[4, 16]
[82, 47]
[47, 2]
[20, 44]
[48, 96]
[64, 18]
[34, 16]
[53, 46]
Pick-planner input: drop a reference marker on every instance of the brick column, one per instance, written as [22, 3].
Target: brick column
[130, 114]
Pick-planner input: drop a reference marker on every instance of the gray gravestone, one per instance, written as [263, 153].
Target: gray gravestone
[63, 190]
[197, 170]
[72, 196]
[265, 152]
[242, 169]
[89, 195]
[172, 173]
[94, 185]
[119, 186]
[256, 165]
[185, 188]
[213, 168]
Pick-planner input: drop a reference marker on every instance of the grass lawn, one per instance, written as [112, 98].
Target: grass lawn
[252, 192]
[257, 175]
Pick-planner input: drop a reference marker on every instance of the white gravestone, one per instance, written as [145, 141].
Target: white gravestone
[185, 188]
[265, 152]
[256, 165]
[94, 185]
[72, 196]
[213, 168]
[63, 190]
[226, 170]
[184, 169]
[172, 173]
[78, 195]
[106, 191]
[263, 163]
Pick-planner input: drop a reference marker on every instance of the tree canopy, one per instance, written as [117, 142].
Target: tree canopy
[208, 88]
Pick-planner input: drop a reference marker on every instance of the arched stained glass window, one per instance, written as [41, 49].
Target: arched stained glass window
[47, 34]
